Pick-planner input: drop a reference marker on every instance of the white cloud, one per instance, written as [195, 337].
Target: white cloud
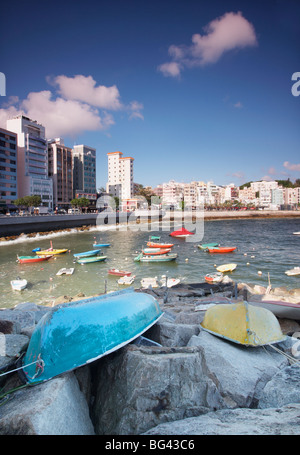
[79, 106]
[291, 167]
[238, 105]
[83, 88]
[231, 31]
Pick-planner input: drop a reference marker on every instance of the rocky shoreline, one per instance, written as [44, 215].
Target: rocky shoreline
[192, 383]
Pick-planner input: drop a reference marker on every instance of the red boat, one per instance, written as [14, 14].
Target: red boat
[118, 272]
[181, 233]
[152, 251]
[222, 249]
[31, 259]
[159, 245]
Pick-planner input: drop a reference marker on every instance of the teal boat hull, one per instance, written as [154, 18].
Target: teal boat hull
[91, 259]
[86, 254]
[101, 245]
[204, 246]
[80, 332]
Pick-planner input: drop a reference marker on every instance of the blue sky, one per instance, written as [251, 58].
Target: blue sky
[193, 90]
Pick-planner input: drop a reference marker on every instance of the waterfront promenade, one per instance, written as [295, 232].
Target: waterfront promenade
[16, 225]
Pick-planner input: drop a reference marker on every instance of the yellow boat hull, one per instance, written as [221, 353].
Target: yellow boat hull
[47, 252]
[226, 268]
[243, 324]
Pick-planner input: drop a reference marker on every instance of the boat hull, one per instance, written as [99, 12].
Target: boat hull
[221, 250]
[78, 333]
[158, 258]
[243, 324]
[284, 310]
[117, 272]
[155, 251]
[18, 285]
[91, 259]
[50, 251]
[204, 246]
[32, 259]
[101, 245]
[226, 268]
[159, 245]
[86, 254]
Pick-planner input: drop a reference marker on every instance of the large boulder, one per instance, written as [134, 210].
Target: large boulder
[272, 421]
[282, 389]
[56, 407]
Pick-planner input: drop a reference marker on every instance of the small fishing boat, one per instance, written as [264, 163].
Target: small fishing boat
[86, 254]
[181, 233]
[126, 279]
[243, 323]
[293, 272]
[18, 284]
[36, 249]
[154, 242]
[157, 258]
[154, 251]
[32, 259]
[118, 272]
[214, 277]
[89, 260]
[296, 233]
[52, 250]
[147, 282]
[101, 245]
[219, 249]
[169, 282]
[284, 310]
[226, 268]
[204, 246]
[74, 334]
[65, 271]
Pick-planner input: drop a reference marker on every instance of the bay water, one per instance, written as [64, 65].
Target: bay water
[263, 245]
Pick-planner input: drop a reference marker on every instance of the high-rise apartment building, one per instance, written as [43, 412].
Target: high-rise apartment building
[8, 167]
[84, 170]
[32, 159]
[60, 169]
[120, 175]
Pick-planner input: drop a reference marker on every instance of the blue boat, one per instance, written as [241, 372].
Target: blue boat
[86, 254]
[101, 245]
[78, 333]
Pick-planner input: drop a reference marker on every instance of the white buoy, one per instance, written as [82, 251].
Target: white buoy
[259, 272]
[248, 263]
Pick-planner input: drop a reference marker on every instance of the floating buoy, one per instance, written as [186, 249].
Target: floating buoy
[253, 256]
[248, 263]
[259, 272]
[245, 254]
[186, 260]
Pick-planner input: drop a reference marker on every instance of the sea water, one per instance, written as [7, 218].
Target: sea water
[267, 246]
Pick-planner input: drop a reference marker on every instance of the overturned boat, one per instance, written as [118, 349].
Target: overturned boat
[80, 332]
[243, 324]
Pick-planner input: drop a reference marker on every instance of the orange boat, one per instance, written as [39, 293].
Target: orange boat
[156, 244]
[220, 249]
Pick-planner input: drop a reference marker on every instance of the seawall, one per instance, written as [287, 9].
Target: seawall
[16, 225]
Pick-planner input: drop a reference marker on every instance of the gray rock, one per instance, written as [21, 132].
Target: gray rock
[282, 389]
[284, 421]
[56, 407]
[236, 374]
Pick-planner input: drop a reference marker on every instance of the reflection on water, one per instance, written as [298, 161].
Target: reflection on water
[262, 245]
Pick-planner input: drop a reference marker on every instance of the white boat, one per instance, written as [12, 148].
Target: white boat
[147, 282]
[294, 271]
[226, 268]
[169, 282]
[126, 279]
[65, 271]
[18, 284]
[284, 310]
[296, 233]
